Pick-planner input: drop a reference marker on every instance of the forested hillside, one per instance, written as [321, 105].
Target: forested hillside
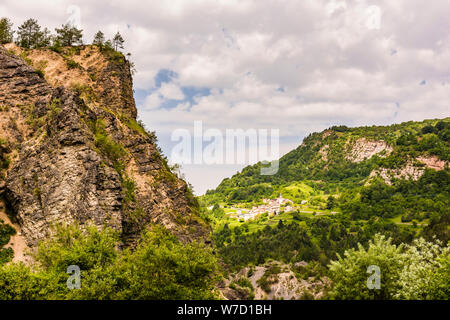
[343, 157]
[346, 185]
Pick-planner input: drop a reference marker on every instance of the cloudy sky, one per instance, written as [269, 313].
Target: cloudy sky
[298, 66]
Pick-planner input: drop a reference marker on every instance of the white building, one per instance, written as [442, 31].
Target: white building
[270, 206]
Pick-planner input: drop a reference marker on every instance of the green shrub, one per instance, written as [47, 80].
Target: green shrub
[130, 188]
[6, 255]
[160, 267]
[113, 150]
[6, 231]
[417, 271]
[71, 64]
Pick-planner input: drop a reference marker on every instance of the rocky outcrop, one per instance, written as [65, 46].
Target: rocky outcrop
[324, 152]
[364, 149]
[106, 75]
[273, 285]
[433, 162]
[409, 171]
[412, 170]
[78, 154]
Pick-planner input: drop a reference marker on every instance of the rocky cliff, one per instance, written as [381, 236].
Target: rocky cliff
[75, 152]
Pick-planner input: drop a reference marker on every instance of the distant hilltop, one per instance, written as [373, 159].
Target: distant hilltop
[348, 156]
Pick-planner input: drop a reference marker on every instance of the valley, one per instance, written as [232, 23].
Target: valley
[84, 183]
[338, 189]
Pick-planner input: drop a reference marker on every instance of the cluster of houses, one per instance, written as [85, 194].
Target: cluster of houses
[271, 206]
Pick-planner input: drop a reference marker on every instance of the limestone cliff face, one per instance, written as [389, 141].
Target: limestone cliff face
[77, 154]
[363, 149]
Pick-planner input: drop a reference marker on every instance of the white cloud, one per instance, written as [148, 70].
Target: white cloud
[153, 101]
[333, 60]
[171, 91]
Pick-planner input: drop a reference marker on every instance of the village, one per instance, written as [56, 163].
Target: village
[271, 207]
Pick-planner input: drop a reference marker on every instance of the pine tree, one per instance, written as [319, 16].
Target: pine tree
[44, 38]
[108, 45]
[99, 39]
[69, 35]
[6, 32]
[29, 34]
[118, 41]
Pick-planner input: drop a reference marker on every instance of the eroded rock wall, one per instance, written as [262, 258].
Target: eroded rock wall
[63, 139]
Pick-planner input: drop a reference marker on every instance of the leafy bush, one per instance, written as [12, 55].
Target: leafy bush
[113, 150]
[130, 188]
[269, 277]
[6, 231]
[417, 271]
[71, 64]
[159, 268]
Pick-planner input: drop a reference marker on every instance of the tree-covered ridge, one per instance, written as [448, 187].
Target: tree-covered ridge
[326, 157]
[30, 35]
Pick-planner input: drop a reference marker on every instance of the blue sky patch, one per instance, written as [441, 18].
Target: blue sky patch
[165, 75]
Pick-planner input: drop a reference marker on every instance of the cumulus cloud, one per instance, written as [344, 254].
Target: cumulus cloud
[299, 66]
[153, 101]
[171, 91]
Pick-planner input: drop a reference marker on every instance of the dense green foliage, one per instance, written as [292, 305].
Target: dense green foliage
[340, 207]
[6, 231]
[6, 32]
[428, 197]
[159, 268]
[30, 35]
[69, 35]
[417, 271]
[304, 239]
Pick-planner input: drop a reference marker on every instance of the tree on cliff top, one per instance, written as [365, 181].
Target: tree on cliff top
[31, 36]
[6, 32]
[69, 35]
[118, 41]
[99, 39]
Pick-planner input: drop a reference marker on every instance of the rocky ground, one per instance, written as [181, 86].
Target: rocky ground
[273, 281]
